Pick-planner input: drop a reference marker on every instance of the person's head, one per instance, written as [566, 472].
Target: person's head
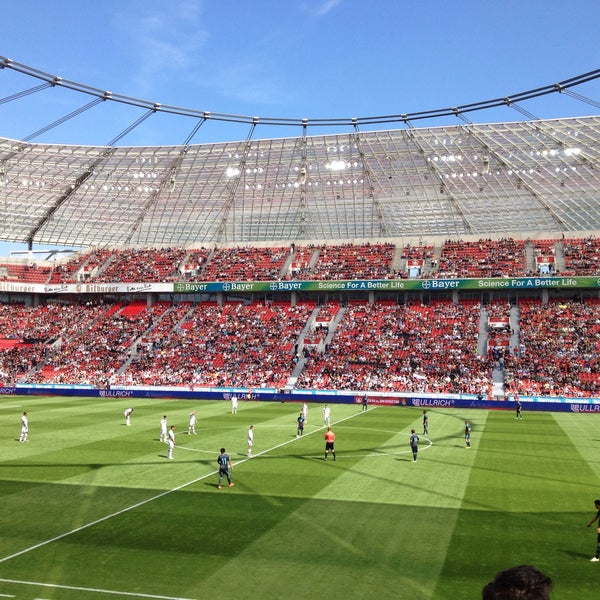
[222, 450]
[518, 583]
[172, 427]
[412, 431]
[164, 416]
[25, 414]
[596, 502]
[251, 426]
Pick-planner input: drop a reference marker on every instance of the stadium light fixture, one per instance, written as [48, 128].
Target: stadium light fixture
[336, 165]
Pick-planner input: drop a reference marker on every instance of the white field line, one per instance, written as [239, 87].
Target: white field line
[124, 510]
[148, 500]
[83, 589]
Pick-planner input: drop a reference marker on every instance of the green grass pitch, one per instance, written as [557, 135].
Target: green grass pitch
[93, 509]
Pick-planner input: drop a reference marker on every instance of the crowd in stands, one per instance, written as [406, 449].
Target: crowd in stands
[143, 264]
[92, 266]
[561, 344]
[483, 258]
[29, 333]
[379, 347]
[582, 256]
[499, 330]
[44, 323]
[231, 345]
[245, 264]
[352, 261]
[418, 261]
[31, 273]
[301, 261]
[418, 252]
[194, 262]
[95, 347]
[382, 346]
[453, 259]
[66, 272]
[387, 347]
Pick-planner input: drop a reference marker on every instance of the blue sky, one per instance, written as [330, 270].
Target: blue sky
[289, 58]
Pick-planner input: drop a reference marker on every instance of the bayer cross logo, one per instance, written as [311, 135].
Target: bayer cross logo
[273, 286]
[426, 285]
[226, 287]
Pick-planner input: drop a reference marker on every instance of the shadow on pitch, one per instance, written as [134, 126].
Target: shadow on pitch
[576, 555]
[518, 470]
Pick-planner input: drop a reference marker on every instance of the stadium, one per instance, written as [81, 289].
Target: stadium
[448, 269]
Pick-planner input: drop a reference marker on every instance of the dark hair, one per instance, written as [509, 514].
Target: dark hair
[518, 583]
[222, 450]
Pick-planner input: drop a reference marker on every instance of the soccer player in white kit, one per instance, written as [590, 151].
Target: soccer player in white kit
[250, 440]
[234, 404]
[171, 441]
[24, 428]
[127, 414]
[163, 429]
[192, 425]
[305, 412]
[326, 416]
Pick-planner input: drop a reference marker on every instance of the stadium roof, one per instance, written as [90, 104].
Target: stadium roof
[491, 180]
